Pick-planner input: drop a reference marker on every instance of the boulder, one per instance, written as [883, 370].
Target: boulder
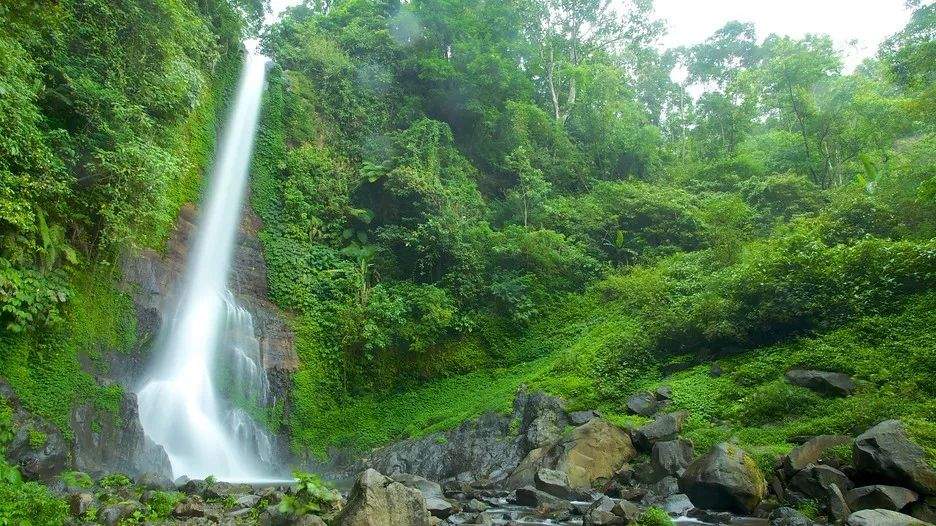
[880, 497]
[593, 453]
[424, 485]
[526, 470]
[377, 500]
[811, 451]
[922, 511]
[883, 518]
[155, 481]
[246, 501]
[439, 507]
[542, 418]
[664, 392]
[544, 430]
[838, 507]
[665, 427]
[488, 448]
[814, 480]
[193, 506]
[884, 451]
[626, 510]
[642, 403]
[79, 503]
[724, 479]
[534, 498]
[193, 487]
[671, 457]
[601, 512]
[113, 514]
[678, 504]
[554, 482]
[660, 491]
[823, 382]
[577, 418]
[273, 516]
[785, 516]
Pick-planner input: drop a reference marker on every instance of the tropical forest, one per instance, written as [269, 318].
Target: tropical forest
[444, 262]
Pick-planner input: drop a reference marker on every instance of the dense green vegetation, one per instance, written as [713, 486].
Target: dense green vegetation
[461, 198]
[107, 122]
[108, 114]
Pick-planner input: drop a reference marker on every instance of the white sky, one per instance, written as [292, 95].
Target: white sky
[868, 22]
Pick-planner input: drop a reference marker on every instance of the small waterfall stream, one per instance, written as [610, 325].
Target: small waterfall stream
[211, 336]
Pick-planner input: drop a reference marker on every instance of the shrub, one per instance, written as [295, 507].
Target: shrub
[28, 502]
[783, 196]
[114, 481]
[654, 517]
[77, 479]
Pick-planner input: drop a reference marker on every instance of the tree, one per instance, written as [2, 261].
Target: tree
[531, 188]
[569, 34]
[791, 72]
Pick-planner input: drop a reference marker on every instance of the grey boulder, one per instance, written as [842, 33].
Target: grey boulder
[376, 500]
[671, 457]
[883, 518]
[725, 479]
[554, 482]
[880, 496]
[642, 403]
[664, 427]
[811, 451]
[885, 451]
[823, 382]
[814, 480]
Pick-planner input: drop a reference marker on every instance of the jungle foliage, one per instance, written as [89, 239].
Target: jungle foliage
[107, 123]
[449, 188]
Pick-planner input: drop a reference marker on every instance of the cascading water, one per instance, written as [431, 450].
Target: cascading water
[180, 405]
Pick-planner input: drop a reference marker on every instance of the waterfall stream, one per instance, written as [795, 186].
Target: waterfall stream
[211, 337]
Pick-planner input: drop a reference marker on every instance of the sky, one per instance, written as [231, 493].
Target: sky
[868, 22]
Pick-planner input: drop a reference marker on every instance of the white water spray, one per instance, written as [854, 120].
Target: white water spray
[180, 407]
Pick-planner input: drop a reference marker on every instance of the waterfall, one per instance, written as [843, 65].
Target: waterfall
[180, 403]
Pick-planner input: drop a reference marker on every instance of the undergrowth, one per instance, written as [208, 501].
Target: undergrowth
[749, 403]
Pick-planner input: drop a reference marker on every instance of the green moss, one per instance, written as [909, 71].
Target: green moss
[37, 439]
[367, 421]
[6, 423]
[810, 508]
[922, 431]
[44, 368]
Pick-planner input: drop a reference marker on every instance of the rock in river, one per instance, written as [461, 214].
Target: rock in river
[376, 500]
[724, 479]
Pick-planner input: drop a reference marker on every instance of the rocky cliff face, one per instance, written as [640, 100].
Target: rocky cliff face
[104, 442]
[151, 279]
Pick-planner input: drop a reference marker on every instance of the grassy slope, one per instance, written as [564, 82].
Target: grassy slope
[891, 357]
